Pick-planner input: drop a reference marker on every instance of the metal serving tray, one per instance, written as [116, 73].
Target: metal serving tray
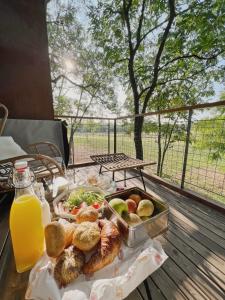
[153, 227]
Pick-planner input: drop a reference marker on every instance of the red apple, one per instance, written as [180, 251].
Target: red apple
[132, 206]
[135, 197]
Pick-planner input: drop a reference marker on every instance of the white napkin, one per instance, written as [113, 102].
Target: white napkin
[114, 282]
[9, 148]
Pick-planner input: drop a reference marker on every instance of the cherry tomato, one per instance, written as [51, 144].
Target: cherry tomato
[74, 211]
[96, 205]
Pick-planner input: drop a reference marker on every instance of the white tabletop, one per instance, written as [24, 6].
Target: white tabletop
[9, 148]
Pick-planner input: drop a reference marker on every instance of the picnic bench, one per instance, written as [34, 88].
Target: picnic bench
[121, 162]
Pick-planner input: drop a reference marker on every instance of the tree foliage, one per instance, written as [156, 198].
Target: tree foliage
[156, 47]
[81, 84]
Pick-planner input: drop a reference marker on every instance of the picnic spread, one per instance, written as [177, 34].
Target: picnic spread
[99, 244]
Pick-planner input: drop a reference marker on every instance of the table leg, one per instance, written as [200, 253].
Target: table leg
[125, 178]
[142, 178]
[113, 176]
[100, 170]
[148, 292]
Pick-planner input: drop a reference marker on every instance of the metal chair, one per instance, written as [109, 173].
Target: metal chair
[48, 149]
[43, 167]
[4, 118]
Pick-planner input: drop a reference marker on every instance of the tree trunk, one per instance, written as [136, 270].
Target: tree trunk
[162, 161]
[159, 146]
[71, 146]
[138, 125]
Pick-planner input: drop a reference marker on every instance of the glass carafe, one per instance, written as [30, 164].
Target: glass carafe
[26, 225]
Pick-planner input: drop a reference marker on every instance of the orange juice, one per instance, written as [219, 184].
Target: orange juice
[27, 231]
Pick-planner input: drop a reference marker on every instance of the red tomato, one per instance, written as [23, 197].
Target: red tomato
[96, 205]
[74, 211]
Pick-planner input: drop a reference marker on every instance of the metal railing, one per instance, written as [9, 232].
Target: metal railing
[188, 144]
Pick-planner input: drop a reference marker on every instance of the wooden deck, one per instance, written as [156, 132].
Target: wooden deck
[195, 244]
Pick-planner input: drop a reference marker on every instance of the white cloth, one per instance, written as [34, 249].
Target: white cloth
[114, 282]
[9, 148]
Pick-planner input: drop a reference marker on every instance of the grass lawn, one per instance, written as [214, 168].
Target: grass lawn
[202, 175]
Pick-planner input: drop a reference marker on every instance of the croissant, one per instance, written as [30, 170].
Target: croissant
[109, 249]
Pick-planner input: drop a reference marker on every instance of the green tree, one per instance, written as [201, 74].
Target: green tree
[154, 46]
[80, 82]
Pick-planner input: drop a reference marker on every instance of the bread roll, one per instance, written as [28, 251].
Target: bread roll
[69, 231]
[68, 266]
[58, 237]
[87, 214]
[86, 236]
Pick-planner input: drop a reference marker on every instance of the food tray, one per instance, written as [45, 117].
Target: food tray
[57, 203]
[153, 227]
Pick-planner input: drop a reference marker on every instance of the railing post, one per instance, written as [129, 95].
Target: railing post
[108, 136]
[72, 150]
[115, 133]
[186, 148]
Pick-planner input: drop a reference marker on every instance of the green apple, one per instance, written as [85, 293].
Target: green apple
[145, 208]
[119, 205]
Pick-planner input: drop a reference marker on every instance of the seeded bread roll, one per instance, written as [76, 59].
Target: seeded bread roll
[87, 214]
[86, 236]
[68, 266]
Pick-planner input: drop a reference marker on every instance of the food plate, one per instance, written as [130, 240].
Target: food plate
[58, 202]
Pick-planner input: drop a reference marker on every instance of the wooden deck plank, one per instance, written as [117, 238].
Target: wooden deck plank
[200, 214]
[185, 283]
[205, 283]
[215, 260]
[167, 286]
[196, 226]
[197, 220]
[201, 238]
[134, 296]
[202, 263]
[155, 291]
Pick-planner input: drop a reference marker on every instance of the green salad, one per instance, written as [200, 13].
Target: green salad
[77, 197]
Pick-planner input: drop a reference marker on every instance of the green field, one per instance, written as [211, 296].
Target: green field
[202, 175]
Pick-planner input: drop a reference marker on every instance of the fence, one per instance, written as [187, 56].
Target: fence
[187, 143]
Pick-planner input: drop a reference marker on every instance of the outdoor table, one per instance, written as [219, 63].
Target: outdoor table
[13, 285]
[120, 162]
